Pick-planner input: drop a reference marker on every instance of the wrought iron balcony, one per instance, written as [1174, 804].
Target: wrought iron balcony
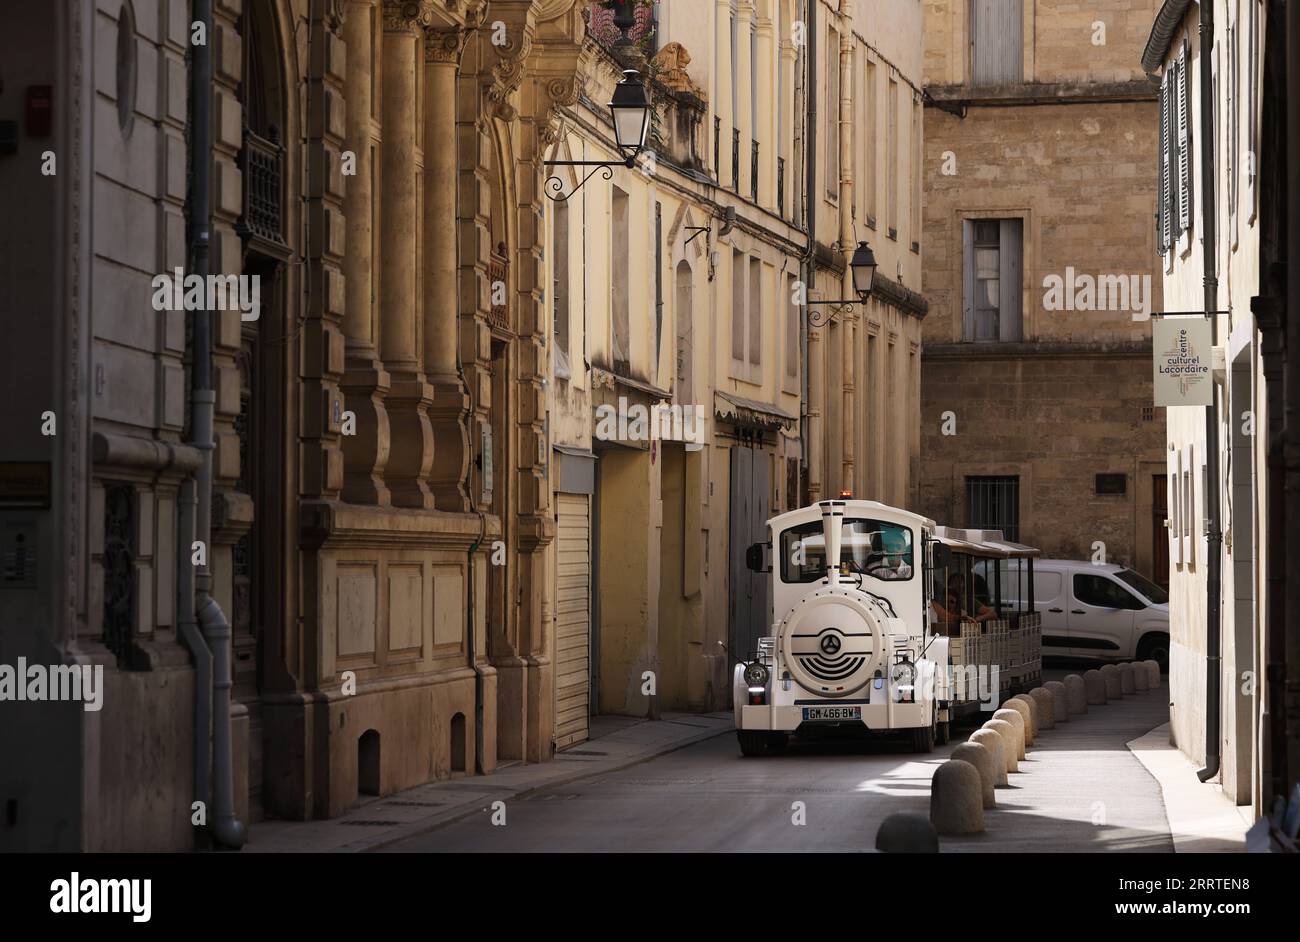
[780, 187]
[735, 159]
[753, 171]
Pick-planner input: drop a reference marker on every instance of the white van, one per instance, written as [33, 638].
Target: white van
[1101, 611]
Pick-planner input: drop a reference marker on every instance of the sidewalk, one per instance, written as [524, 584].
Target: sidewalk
[1201, 818]
[1084, 787]
[616, 742]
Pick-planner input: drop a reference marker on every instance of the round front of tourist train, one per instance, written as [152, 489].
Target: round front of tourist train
[835, 642]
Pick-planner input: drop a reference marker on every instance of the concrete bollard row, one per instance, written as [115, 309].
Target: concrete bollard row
[1046, 704]
[1076, 694]
[1016, 720]
[1141, 679]
[1012, 742]
[1021, 709]
[957, 799]
[1153, 674]
[992, 741]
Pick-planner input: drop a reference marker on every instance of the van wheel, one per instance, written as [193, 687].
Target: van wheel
[1155, 648]
[941, 733]
[753, 742]
[923, 739]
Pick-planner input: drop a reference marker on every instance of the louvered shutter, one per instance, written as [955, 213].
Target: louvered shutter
[1184, 148]
[1162, 159]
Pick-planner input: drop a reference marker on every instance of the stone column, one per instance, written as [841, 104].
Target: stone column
[411, 451]
[365, 382]
[744, 93]
[441, 299]
[768, 108]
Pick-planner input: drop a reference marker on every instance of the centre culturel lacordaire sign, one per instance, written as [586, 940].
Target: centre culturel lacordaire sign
[1184, 353]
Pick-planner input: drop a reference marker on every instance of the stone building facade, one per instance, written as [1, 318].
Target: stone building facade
[379, 426]
[1041, 271]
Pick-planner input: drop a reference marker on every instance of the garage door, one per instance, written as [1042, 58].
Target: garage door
[573, 620]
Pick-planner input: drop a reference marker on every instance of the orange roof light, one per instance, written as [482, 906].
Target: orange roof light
[846, 494]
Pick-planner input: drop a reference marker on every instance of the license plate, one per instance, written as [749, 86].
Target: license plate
[831, 714]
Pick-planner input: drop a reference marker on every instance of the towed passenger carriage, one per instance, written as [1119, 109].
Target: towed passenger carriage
[883, 623]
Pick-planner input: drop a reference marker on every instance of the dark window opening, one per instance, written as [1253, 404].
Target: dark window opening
[1111, 485]
[993, 503]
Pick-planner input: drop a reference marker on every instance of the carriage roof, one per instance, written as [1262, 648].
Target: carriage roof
[852, 508]
[984, 543]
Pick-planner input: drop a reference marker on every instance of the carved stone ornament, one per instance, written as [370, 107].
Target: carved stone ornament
[444, 45]
[407, 16]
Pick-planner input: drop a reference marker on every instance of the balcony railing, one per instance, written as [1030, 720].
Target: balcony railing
[735, 159]
[780, 187]
[753, 171]
[263, 170]
[499, 315]
[717, 148]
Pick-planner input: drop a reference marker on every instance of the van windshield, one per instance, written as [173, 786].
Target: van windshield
[1149, 589]
[873, 547]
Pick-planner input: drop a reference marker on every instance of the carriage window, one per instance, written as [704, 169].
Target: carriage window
[872, 547]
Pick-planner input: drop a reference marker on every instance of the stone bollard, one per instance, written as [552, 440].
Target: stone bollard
[982, 758]
[1076, 693]
[957, 799]
[907, 832]
[991, 740]
[1010, 737]
[1113, 689]
[1016, 720]
[1060, 701]
[1127, 683]
[1026, 718]
[1033, 720]
[1153, 674]
[1094, 682]
[1141, 679]
[1046, 707]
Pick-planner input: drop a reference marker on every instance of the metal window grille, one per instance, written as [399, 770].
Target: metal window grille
[993, 503]
[119, 570]
[263, 172]
[753, 172]
[780, 187]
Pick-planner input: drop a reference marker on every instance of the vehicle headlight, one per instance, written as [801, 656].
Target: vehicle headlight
[904, 672]
[756, 675]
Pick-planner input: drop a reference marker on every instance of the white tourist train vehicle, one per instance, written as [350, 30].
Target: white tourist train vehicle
[882, 624]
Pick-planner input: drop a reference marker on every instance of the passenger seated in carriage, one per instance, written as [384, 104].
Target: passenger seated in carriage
[954, 610]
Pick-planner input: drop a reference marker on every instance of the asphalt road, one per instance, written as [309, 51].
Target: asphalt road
[1079, 790]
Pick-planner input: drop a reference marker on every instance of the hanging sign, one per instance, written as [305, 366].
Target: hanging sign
[1184, 352]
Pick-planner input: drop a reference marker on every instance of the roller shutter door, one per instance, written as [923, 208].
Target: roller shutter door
[573, 620]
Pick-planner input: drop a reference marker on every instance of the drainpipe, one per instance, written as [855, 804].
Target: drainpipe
[810, 221]
[189, 629]
[226, 828]
[1214, 536]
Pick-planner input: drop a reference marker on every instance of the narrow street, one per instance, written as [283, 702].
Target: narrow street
[1079, 789]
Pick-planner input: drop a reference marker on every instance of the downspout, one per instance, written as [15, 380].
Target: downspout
[226, 828]
[1214, 536]
[810, 222]
[189, 630]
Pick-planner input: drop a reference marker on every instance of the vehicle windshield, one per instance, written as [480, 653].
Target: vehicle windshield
[1145, 586]
[873, 547]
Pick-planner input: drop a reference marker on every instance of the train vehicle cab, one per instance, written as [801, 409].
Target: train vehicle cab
[850, 644]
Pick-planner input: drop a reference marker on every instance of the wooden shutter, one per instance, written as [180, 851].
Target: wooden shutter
[1184, 147]
[1252, 109]
[1162, 198]
[968, 280]
[572, 619]
[997, 41]
[1010, 250]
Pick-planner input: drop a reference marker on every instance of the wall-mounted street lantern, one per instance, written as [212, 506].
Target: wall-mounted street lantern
[630, 111]
[863, 268]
